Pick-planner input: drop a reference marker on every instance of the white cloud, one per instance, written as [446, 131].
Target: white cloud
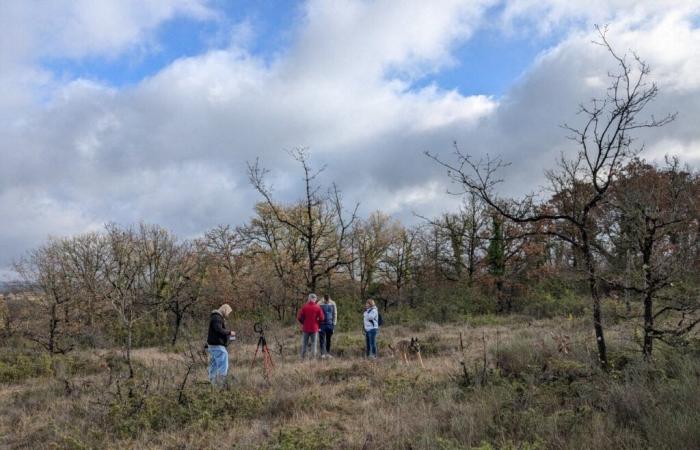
[545, 16]
[78, 28]
[172, 149]
[690, 151]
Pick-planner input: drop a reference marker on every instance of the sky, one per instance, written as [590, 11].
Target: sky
[149, 110]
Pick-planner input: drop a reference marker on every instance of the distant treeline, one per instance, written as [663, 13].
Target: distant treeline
[613, 227]
[141, 284]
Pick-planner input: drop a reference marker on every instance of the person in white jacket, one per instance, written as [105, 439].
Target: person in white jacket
[371, 322]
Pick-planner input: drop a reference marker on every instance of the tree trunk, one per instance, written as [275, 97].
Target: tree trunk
[597, 310]
[628, 305]
[128, 351]
[51, 345]
[648, 326]
[648, 301]
[178, 322]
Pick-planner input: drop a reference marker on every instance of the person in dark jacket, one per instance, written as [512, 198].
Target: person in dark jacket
[310, 317]
[217, 340]
[330, 320]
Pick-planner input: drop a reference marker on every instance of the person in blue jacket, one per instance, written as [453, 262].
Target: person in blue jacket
[330, 314]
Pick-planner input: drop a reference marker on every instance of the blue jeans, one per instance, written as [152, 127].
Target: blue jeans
[371, 341]
[218, 363]
[307, 338]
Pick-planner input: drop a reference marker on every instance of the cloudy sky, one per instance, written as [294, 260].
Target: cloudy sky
[148, 110]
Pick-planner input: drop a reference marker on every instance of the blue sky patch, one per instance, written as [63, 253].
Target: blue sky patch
[488, 63]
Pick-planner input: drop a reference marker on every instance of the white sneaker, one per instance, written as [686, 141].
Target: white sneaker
[323, 356]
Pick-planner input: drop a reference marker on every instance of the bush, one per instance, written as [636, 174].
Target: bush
[16, 366]
[131, 415]
[552, 299]
[519, 358]
[292, 438]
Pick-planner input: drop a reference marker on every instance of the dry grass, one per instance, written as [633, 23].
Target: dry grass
[528, 395]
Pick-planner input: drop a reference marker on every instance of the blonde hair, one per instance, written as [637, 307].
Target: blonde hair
[371, 302]
[225, 309]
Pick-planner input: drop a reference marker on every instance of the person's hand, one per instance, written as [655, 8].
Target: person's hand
[232, 333]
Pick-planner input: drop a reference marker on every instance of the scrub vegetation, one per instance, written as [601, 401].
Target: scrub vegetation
[508, 383]
[566, 320]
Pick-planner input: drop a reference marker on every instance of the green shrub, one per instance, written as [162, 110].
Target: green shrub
[293, 438]
[357, 391]
[519, 358]
[131, 415]
[349, 345]
[547, 301]
[16, 366]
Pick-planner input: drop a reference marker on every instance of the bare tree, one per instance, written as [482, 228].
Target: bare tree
[51, 284]
[371, 239]
[84, 258]
[122, 271]
[605, 145]
[226, 247]
[277, 254]
[461, 235]
[318, 219]
[187, 283]
[397, 266]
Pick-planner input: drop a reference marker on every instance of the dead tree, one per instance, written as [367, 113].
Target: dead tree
[605, 144]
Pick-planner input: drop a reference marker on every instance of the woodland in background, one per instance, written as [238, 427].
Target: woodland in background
[138, 286]
[613, 231]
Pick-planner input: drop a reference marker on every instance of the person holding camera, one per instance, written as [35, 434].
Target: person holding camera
[217, 340]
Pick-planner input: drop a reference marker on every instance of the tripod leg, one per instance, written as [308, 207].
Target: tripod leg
[255, 356]
[269, 355]
[267, 362]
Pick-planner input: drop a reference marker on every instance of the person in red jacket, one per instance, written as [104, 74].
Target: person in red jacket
[310, 317]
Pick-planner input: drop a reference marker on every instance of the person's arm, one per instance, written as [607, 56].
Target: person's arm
[321, 316]
[335, 315]
[373, 315]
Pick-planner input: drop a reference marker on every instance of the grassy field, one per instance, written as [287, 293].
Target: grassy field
[493, 383]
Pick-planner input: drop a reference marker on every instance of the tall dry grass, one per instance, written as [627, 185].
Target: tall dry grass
[502, 383]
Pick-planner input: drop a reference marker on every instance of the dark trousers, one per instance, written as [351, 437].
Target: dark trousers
[325, 334]
[371, 341]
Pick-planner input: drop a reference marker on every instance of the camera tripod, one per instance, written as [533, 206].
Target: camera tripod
[264, 351]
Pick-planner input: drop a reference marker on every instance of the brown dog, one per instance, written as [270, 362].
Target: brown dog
[411, 347]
